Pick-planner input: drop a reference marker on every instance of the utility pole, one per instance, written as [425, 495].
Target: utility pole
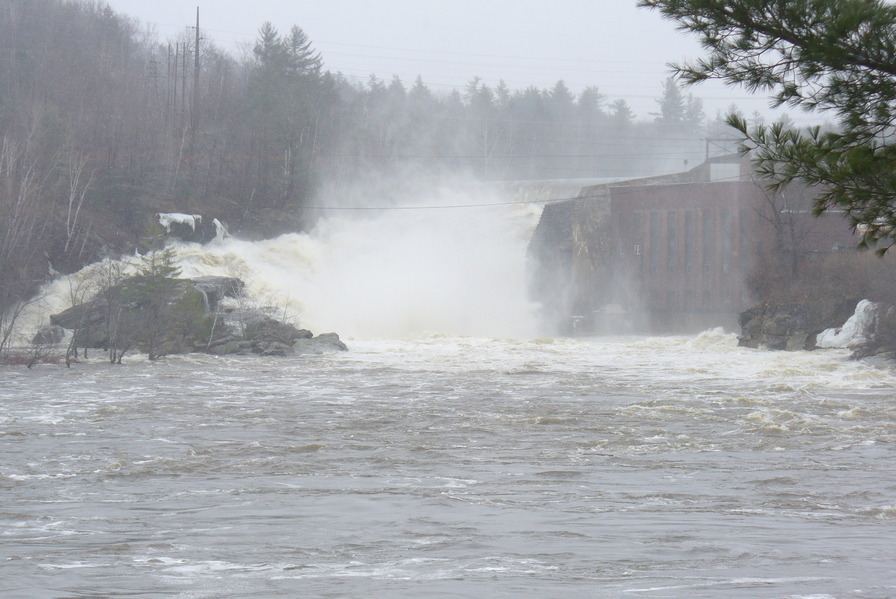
[194, 104]
[176, 75]
[168, 88]
[195, 115]
[183, 86]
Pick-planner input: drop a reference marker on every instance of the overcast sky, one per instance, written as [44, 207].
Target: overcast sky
[612, 44]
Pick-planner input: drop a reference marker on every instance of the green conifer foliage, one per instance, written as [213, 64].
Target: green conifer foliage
[832, 56]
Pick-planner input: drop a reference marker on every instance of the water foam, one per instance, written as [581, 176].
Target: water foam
[451, 261]
[401, 272]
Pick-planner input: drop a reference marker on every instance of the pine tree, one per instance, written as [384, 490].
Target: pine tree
[672, 106]
[154, 289]
[286, 91]
[831, 56]
[269, 49]
[302, 59]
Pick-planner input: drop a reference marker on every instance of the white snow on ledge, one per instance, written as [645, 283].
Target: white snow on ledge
[220, 230]
[166, 219]
[854, 332]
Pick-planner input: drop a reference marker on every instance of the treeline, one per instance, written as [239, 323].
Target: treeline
[103, 125]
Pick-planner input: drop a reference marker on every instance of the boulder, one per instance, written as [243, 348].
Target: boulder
[275, 348]
[160, 316]
[189, 227]
[325, 342]
[261, 328]
[79, 316]
[49, 335]
[225, 349]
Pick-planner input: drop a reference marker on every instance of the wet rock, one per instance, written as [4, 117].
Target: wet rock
[225, 349]
[275, 348]
[188, 322]
[878, 337]
[78, 316]
[792, 326]
[189, 227]
[216, 289]
[49, 335]
[325, 342]
[264, 329]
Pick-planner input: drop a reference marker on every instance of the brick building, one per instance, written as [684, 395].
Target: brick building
[670, 252]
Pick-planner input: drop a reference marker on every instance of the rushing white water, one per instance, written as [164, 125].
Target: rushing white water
[416, 267]
[402, 272]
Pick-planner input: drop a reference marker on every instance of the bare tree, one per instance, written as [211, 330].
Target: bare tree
[787, 212]
[79, 185]
[21, 227]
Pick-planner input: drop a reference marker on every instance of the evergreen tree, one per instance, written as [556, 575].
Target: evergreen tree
[503, 95]
[269, 49]
[672, 106]
[419, 93]
[154, 290]
[301, 58]
[286, 89]
[621, 113]
[835, 56]
[591, 104]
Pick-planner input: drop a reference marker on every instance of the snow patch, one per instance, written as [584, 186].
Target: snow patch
[166, 219]
[856, 331]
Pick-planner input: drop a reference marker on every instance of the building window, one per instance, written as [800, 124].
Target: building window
[637, 224]
[745, 241]
[672, 241]
[654, 242]
[690, 241]
[726, 241]
[708, 240]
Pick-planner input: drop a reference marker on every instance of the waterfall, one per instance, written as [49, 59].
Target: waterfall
[419, 267]
[450, 261]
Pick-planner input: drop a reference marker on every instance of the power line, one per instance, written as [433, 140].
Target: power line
[621, 192]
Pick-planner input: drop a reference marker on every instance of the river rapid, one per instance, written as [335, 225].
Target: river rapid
[446, 466]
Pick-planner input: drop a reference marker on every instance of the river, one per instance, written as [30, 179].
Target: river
[446, 466]
[483, 462]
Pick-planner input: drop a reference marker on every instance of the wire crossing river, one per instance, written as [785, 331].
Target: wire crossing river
[454, 467]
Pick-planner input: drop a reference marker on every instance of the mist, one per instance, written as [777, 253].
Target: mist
[437, 260]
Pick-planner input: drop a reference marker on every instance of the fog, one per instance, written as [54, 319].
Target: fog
[612, 44]
[426, 264]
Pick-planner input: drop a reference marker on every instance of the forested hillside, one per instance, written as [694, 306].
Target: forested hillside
[103, 125]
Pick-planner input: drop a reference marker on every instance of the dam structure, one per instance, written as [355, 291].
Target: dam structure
[669, 253]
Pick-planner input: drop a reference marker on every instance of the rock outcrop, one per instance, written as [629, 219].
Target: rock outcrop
[251, 332]
[49, 335]
[792, 326]
[175, 316]
[157, 316]
[190, 227]
[216, 289]
[870, 332]
[323, 343]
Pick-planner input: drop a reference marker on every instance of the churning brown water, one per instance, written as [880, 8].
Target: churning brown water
[454, 467]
